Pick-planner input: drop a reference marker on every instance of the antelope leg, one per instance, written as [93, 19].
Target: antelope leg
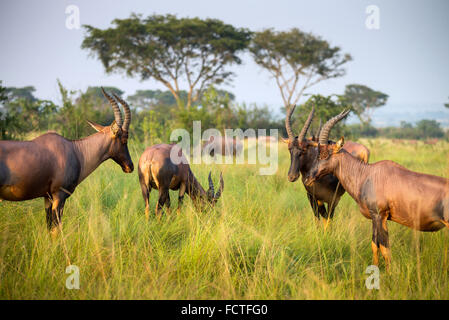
[380, 238]
[163, 195]
[168, 203]
[146, 190]
[331, 207]
[182, 190]
[375, 241]
[384, 243]
[54, 219]
[48, 201]
[314, 205]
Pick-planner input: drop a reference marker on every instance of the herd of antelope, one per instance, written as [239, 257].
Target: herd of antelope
[51, 167]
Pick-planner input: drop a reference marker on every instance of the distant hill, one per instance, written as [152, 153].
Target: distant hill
[393, 114]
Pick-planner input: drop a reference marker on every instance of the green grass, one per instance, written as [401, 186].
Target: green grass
[260, 242]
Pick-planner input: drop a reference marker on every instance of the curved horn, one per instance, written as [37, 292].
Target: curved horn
[115, 107]
[319, 129]
[324, 134]
[288, 124]
[126, 110]
[211, 185]
[220, 190]
[306, 126]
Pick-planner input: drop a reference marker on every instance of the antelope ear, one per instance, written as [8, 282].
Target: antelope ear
[339, 144]
[115, 129]
[285, 140]
[96, 126]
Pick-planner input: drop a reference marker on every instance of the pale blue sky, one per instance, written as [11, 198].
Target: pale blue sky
[407, 58]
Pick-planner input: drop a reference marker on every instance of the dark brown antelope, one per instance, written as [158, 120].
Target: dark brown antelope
[157, 170]
[385, 191]
[303, 154]
[52, 166]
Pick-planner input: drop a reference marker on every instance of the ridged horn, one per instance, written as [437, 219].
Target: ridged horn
[319, 129]
[127, 112]
[220, 190]
[288, 124]
[306, 126]
[324, 134]
[115, 107]
[211, 185]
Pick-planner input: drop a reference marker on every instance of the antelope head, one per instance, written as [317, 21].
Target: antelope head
[326, 161]
[299, 145]
[117, 133]
[213, 197]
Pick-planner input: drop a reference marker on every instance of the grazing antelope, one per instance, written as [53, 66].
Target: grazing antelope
[157, 170]
[223, 145]
[432, 141]
[384, 191]
[303, 155]
[52, 166]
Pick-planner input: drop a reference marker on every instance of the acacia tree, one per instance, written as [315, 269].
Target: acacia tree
[363, 100]
[297, 60]
[171, 50]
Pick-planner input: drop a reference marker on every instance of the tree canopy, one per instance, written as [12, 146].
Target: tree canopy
[363, 100]
[171, 50]
[22, 112]
[297, 60]
[146, 99]
[26, 93]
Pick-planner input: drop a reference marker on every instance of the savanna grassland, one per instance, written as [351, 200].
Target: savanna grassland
[259, 242]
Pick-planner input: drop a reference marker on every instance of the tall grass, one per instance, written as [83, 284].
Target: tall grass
[260, 242]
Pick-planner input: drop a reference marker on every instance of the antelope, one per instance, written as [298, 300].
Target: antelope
[157, 170]
[384, 191]
[303, 154]
[51, 166]
[223, 146]
[432, 141]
